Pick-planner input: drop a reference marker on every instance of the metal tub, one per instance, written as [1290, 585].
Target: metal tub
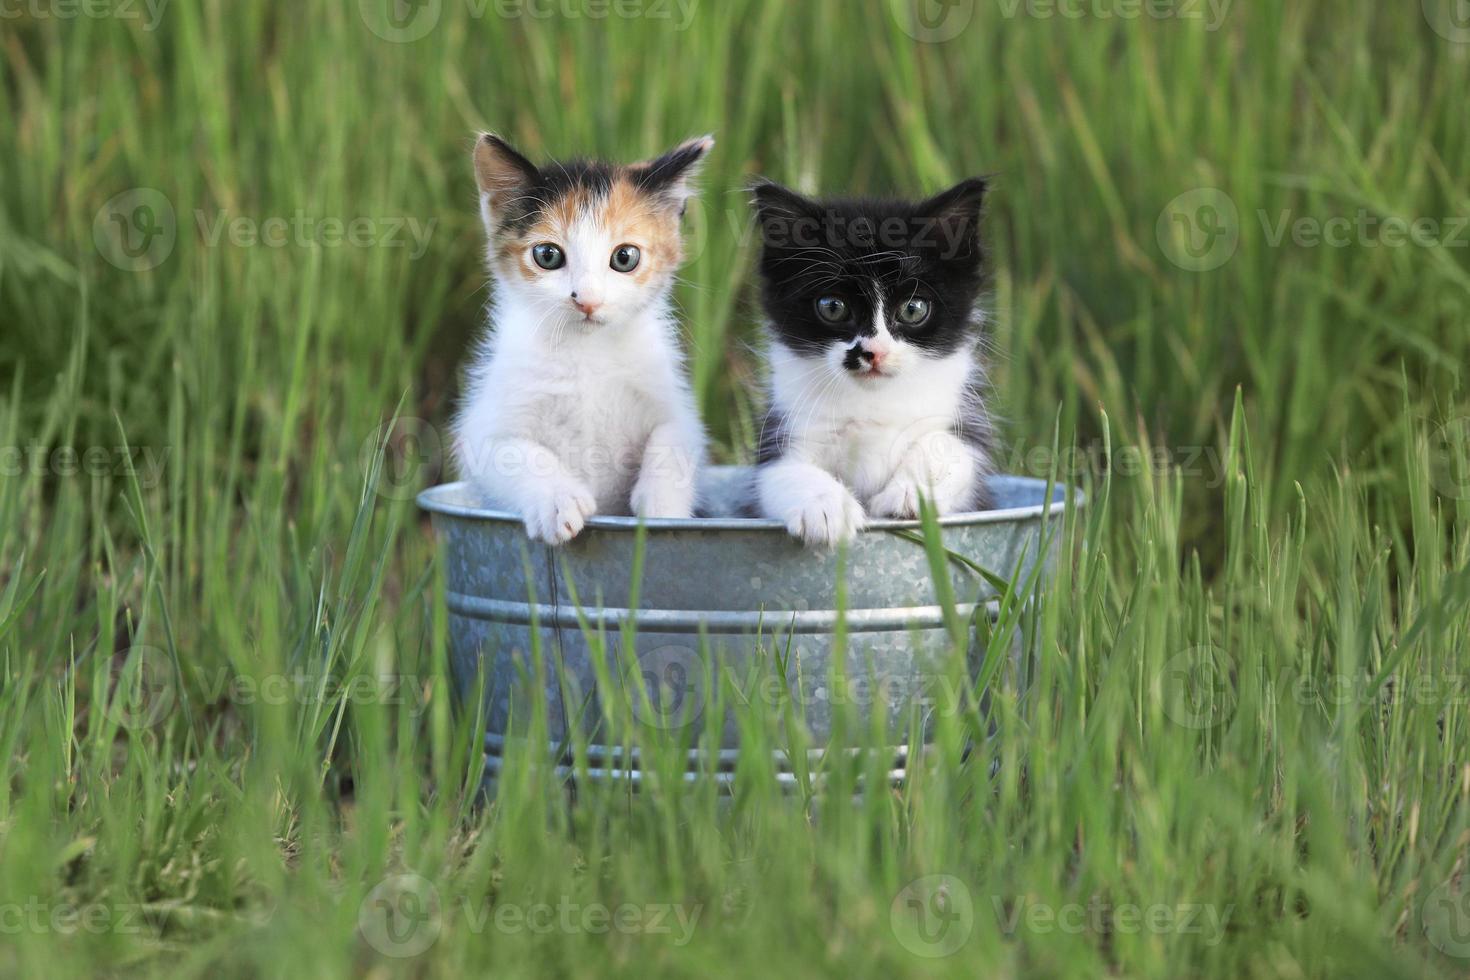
[721, 594]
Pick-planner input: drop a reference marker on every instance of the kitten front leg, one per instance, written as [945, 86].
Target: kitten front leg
[560, 512]
[530, 479]
[813, 504]
[939, 467]
[668, 476]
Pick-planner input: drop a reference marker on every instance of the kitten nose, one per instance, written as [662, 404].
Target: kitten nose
[586, 307]
[864, 360]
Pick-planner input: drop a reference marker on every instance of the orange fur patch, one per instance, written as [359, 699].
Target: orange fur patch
[630, 217]
[647, 222]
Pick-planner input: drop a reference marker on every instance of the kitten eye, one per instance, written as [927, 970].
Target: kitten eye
[625, 258]
[549, 256]
[832, 309]
[914, 312]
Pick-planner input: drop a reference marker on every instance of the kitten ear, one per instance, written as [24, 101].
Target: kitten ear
[778, 210]
[672, 174]
[958, 212]
[964, 199]
[501, 172]
[776, 201]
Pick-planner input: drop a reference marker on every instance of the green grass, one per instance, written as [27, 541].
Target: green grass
[1288, 491]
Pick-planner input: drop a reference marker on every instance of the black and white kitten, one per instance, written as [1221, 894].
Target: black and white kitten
[877, 385]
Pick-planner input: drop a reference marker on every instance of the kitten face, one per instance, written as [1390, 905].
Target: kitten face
[584, 243]
[873, 288]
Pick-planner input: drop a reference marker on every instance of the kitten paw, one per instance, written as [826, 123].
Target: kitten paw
[560, 515]
[661, 498]
[826, 518]
[899, 500]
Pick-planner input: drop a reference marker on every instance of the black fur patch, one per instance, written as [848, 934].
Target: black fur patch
[871, 253]
[551, 183]
[772, 440]
[853, 359]
[658, 175]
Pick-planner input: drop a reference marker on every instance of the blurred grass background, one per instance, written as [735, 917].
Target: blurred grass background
[1317, 532]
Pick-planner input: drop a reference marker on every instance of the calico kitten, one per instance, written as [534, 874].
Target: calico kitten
[877, 386]
[578, 403]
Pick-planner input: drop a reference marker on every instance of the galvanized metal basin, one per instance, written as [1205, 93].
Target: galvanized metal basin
[721, 594]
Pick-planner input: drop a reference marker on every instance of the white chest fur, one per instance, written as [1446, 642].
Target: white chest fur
[862, 430]
[588, 414]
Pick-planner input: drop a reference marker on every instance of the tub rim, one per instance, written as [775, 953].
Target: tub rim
[432, 501]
